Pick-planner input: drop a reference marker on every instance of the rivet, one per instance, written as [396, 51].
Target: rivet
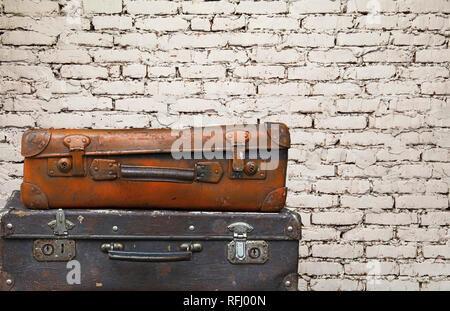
[84, 140]
[68, 140]
[115, 228]
[9, 226]
[287, 283]
[191, 227]
[290, 228]
[8, 282]
[51, 172]
[95, 168]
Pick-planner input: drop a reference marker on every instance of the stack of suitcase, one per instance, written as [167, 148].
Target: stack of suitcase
[197, 209]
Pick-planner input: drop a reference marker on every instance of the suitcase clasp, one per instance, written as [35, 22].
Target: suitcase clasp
[242, 251]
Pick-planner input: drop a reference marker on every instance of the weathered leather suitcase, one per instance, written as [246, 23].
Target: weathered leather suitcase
[239, 168]
[83, 249]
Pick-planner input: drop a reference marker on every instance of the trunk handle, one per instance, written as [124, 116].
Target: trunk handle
[104, 169]
[115, 252]
[149, 256]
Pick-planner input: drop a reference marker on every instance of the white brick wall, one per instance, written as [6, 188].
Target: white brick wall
[365, 94]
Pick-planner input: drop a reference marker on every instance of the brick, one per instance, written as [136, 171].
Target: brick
[362, 170]
[421, 234]
[229, 88]
[392, 219]
[316, 171]
[403, 39]
[435, 219]
[436, 251]
[429, 22]
[357, 105]
[314, 6]
[367, 201]
[312, 201]
[309, 40]
[370, 72]
[202, 72]
[382, 22]
[436, 286]
[221, 56]
[362, 39]
[368, 234]
[396, 122]
[7, 87]
[19, 37]
[195, 7]
[253, 39]
[436, 88]
[16, 55]
[337, 251]
[365, 6]
[289, 88]
[134, 71]
[195, 105]
[392, 88]
[432, 56]
[83, 72]
[313, 73]
[391, 251]
[271, 55]
[162, 24]
[392, 285]
[114, 22]
[277, 23]
[123, 121]
[424, 73]
[117, 56]
[37, 73]
[342, 186]
[336, 285]
[28, 7]
[146, 40]
[332, 56]
[329, 22]
[16, 120]
[161, 72]
[372, 268]
[261, 7]
[64, 56]
[329, 89]
[425, 269]
[118, 87]
[365, 139]
[202, 24]
[440, 6]
[78, 103]
[412, 171]
[341, 122]
[319, 268]
[392, 56]
[179, 41]
[421, 201]
[313, 138]
[259, 72]
[173, 88]
[102, 6]
[65, 120]
[140, 104]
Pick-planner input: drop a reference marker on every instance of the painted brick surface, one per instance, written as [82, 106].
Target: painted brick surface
[362, 84]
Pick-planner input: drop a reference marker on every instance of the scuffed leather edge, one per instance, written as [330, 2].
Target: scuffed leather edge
[284, 135]
[34, 142]
[274, 200]
[32, 196]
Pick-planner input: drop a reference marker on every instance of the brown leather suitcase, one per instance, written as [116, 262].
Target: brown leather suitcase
[84, 249]
[226, 168]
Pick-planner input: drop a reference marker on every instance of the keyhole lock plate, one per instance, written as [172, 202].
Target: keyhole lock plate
[255, 252]
[54, 250]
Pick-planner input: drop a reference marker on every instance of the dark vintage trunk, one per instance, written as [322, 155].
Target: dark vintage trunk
[147, 250]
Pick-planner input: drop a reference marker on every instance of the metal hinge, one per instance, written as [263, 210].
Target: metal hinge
[61, 225]
[243, 251]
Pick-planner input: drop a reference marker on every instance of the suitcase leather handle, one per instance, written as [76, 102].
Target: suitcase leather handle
[104, 169]
[149, 257]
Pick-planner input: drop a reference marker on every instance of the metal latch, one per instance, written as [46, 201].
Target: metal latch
[61, 225]
[54, 250]
[243, 251]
